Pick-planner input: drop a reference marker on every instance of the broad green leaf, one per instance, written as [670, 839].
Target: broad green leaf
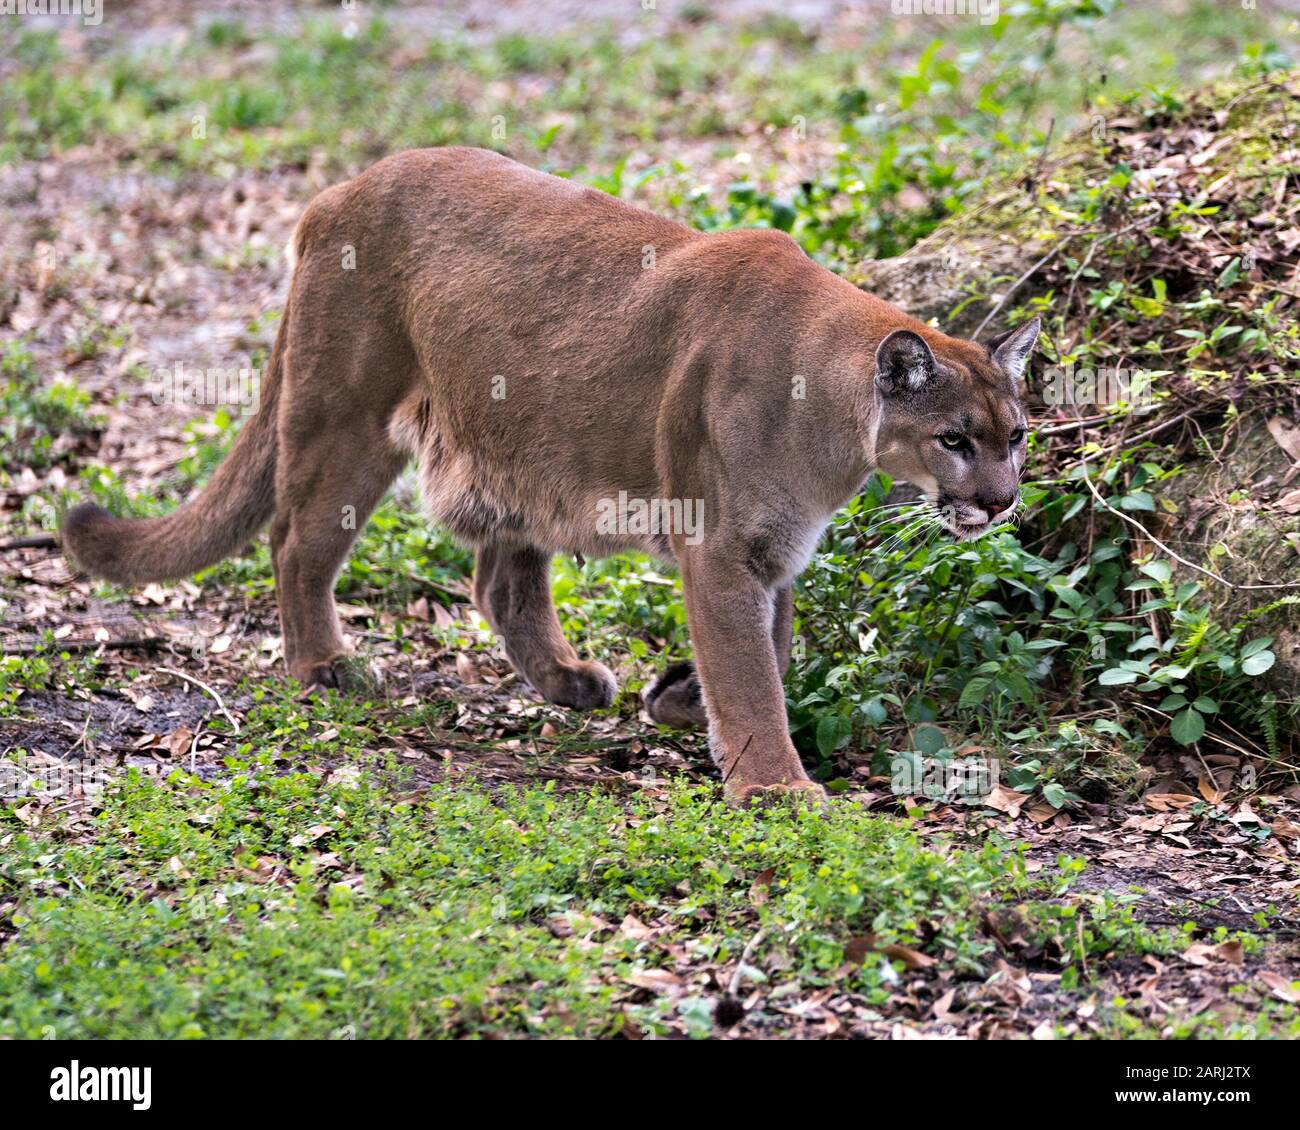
[831, 731]
[1258, 663]
[1187, 727]
[1055, 795]
[1159, 570]
[1255, 646]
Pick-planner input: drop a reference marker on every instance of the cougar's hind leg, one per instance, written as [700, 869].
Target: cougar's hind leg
[330, 474]
[512, 588]
[674, 699]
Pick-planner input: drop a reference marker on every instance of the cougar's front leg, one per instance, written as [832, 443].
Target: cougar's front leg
[732, 616]
[674, 699]
[512, 588]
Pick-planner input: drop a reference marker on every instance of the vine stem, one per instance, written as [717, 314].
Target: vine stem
[204, 687]
[1161, 545]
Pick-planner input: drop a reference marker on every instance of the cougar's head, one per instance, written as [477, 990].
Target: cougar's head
[949, 420]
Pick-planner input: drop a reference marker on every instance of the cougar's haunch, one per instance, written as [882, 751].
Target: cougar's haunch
[577, 375]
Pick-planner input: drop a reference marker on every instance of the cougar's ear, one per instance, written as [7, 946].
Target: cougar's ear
[903, 363]
[1010, 350]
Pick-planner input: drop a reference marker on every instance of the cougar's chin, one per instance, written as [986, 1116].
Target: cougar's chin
[969, 531]
[968, 528]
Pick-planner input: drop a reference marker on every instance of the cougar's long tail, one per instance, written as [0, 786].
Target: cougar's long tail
[234, 506]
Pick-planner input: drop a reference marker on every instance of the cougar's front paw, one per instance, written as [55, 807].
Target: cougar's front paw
[674, 699]
[743, 794]
[584, 685]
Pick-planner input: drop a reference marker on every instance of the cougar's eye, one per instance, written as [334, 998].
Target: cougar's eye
[954, 441]
[1017, 436]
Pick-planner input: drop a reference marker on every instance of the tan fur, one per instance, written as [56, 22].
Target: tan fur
[541, 347]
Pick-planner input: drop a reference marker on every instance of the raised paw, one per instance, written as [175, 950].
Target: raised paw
[674, 699]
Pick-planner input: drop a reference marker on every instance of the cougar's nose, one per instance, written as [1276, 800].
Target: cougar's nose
[995, 504]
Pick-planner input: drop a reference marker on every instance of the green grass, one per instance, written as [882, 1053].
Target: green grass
[35, 416]
[893, 130]
[280, 902]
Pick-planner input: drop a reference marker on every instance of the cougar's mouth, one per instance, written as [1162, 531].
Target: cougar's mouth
[967, 521]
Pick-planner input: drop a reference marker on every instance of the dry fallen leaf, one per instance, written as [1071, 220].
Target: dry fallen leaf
[179, 741]
[1244, 815]
[1283, 989]
[264, 866]
[178, 868]
[315, 832]
[942, 1008]
[1200, 954]
[1231, 952]
[466, 669]
[1285, 829]
[355, 611]
[1287, 436]
[635, 929]
[1006, 800]
[1210, 789]
[1041, 812]
[659, 981]
[559, 926]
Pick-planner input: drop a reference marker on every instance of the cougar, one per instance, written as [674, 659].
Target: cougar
[555, 358]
